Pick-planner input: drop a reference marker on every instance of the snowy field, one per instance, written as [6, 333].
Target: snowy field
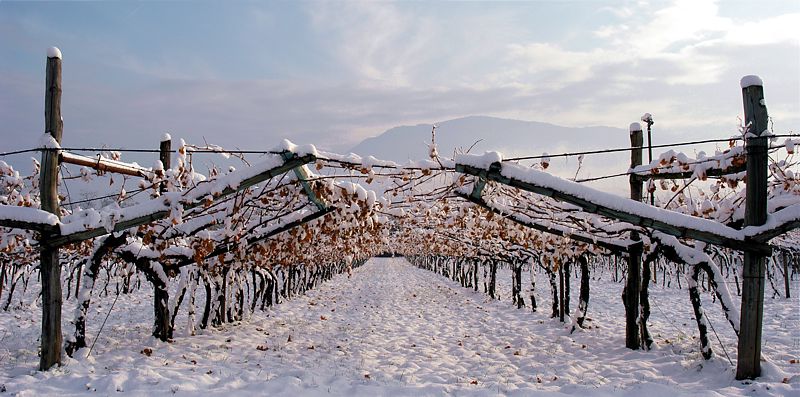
[392, 329]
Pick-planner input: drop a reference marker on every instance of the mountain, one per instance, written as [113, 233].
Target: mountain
[511, 137]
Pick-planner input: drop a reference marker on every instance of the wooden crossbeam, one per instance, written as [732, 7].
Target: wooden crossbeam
[133, 222]
[223, 249]
[35, 226]
[584, 238]
[104, 165]
[638, 220]
[775, 232]
[290, 225]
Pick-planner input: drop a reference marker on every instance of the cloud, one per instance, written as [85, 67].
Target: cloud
[247, 114]
[549, 66]
[782, 28]
[406, 64]
[380, 43]
[395, 45]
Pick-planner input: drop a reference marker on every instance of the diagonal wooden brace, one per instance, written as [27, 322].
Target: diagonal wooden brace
[301, 172]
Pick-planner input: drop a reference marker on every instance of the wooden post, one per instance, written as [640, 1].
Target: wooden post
[755, 214]
[785, 260]
[50, 266]
[165, 155]
[648, 119]
[561, 292]
[633, 284]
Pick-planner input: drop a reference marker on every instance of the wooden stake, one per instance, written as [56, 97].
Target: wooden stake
[755, 214]
[50, 266]
[785, 260]
[632, 287]
[561, 292]
[165, 155]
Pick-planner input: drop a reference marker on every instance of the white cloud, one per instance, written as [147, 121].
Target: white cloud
[679, 61]
[782, 28]
[549, 66]
[380, 43]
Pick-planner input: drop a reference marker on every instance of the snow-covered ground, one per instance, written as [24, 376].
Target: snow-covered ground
[392, 329]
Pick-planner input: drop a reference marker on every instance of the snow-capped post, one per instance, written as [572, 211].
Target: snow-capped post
[630, 294]
[50, 266]
[165, 155]
[755, 214]
[647, 118]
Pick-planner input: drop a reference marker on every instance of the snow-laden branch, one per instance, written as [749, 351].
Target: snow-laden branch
[606, 204]
[93, 223]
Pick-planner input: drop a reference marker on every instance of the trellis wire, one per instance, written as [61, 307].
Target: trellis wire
[224, 151]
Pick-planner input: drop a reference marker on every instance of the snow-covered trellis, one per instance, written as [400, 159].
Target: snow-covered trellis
[259, 235]
[751, 239]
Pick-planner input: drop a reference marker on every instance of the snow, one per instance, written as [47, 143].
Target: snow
[779, 218]
[608, 200]
[480, 161]
[27, 214]
[169, 201]
[395, 330]
[751, 80]
[46, 141]
[635, 127]
[54, 52]
[166, 137]
[300, 150]
[677, 162]
[694, 257]
[371, 161]
[556, 227]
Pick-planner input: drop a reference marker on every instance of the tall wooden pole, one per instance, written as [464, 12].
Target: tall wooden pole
[633, 284]
[50, 266]
[165, 156]
[648, 119]
[755, 214]
[561, 291]
[786, 275]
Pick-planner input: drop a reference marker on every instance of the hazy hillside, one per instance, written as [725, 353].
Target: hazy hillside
[512, 138]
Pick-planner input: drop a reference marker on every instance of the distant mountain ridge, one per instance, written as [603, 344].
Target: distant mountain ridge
[511, 137]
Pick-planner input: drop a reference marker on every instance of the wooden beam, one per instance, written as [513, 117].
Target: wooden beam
[584, 238]
[129, 223]
[290, 225]
[37, 227]
[50, 266]
[223, 249]
[104, 165]
[756, 118]
[480, 182]
[165, 157]
[633, 282]
[302, 175]
[777, 231]
[588, 206]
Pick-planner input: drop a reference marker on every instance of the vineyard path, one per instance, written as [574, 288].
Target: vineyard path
[391, 329]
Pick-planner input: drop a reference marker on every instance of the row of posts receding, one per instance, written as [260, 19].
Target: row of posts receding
[749, 346]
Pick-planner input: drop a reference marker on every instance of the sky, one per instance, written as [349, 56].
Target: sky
[247, 74]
